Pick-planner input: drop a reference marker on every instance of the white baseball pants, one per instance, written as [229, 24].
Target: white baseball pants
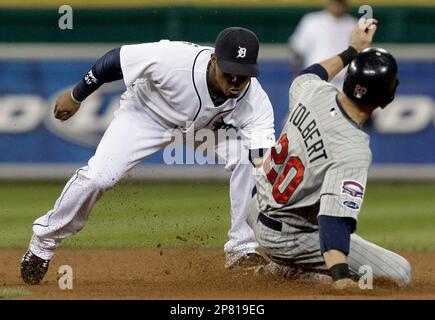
[133, 135]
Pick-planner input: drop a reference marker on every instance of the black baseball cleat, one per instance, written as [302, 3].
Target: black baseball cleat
[33, 268]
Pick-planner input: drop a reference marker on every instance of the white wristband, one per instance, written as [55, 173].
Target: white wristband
[72, 97]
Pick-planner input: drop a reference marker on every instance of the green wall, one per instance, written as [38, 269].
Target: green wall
[272, 25]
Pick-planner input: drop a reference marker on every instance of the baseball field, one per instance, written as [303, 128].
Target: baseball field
[165, 241]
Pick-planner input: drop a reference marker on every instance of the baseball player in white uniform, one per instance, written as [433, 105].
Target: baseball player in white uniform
[311, 185]
[170, 85]
[320, 35]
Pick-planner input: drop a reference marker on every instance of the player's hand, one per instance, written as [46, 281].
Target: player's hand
[345, 284]
[362, 35]
[65, 106]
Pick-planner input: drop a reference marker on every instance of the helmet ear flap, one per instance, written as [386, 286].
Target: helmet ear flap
[393, 92]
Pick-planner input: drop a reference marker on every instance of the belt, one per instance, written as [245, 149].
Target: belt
[269, 222]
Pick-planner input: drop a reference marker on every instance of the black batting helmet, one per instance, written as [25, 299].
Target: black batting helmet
[371, 78]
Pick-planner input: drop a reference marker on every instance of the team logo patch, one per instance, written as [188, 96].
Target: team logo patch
[351, 205]
[359, 91]
[241, 53]
[352, 188]
[89, 78]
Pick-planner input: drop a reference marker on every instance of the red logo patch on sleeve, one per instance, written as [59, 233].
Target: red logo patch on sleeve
[352, 188]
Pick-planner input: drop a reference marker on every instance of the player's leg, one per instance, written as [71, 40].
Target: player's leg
[384, 263]
[290, 247]
[241, 242]
[241, 245]
[295, 255]
[131, 136]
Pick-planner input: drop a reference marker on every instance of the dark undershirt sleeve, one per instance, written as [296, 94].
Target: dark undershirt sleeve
[316, 69]
[106, 69]
[335, 233]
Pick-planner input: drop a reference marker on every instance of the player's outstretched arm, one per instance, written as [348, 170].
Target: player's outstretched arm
[106, 69]
[335, 244]
[361, 38]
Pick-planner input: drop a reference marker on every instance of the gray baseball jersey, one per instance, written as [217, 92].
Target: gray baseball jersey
[318, 166]
[321, 159]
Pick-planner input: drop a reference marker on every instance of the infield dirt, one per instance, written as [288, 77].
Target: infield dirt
[189, 274]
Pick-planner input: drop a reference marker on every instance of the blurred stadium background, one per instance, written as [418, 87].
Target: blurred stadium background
[39, 60]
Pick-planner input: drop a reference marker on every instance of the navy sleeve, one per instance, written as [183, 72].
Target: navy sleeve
[106, 69]
[335, 233]
[316, 69]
